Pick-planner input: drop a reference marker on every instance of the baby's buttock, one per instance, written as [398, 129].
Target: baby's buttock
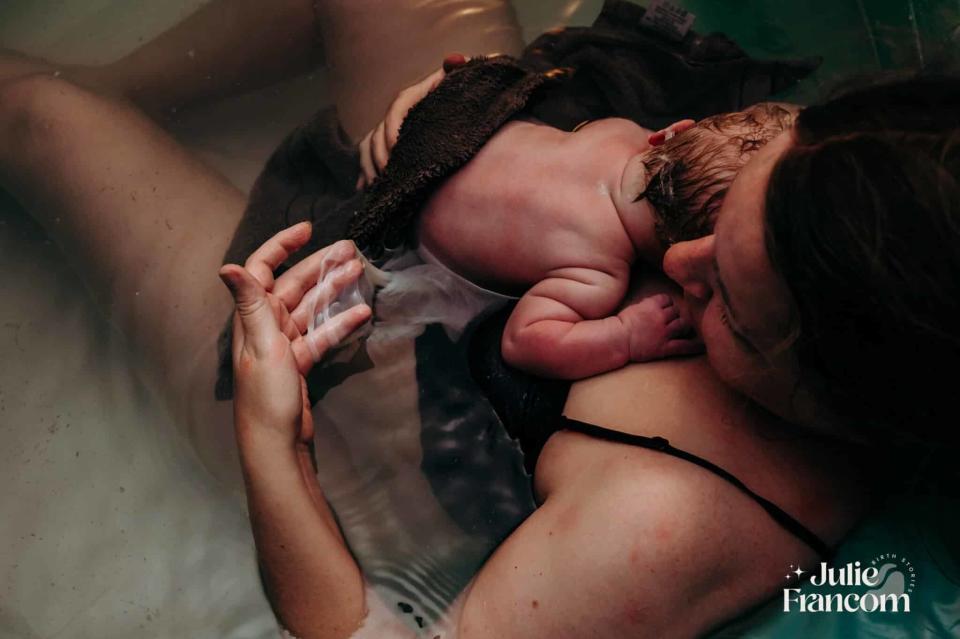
[501, 260]
[503, 256]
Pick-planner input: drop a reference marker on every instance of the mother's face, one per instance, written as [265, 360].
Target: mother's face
[740, 306]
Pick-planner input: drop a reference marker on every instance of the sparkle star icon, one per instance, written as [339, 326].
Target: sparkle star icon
[799, 571]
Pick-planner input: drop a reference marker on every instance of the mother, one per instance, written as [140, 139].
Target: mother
[828, 302]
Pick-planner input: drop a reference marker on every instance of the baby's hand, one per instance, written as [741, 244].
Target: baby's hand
[657, 330]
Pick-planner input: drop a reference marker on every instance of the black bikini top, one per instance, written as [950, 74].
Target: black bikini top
[789, 523]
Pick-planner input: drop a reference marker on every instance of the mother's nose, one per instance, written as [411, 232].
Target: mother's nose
[690, 265]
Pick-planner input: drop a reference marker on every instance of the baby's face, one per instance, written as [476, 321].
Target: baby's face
[685, 179]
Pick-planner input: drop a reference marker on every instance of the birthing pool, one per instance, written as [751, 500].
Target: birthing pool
[109, 527]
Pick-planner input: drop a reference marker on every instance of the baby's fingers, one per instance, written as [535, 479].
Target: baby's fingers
[312, 347]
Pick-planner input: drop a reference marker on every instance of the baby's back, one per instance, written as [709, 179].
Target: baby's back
[523, 207]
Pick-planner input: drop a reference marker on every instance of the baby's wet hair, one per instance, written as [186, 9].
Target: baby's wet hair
[688, 176]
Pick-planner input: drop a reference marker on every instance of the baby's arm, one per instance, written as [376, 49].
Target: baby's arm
[565, 326]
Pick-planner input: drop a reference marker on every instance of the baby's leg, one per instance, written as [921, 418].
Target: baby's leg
[145, 224]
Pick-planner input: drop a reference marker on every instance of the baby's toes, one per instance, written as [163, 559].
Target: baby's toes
[667, 306]
[662, 300]
[678, 327]
[671, 312]
[683, 346]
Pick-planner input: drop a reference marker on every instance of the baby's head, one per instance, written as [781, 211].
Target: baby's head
[686, 178]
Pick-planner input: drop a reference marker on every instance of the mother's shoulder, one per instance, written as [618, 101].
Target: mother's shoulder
[642, 534]
[804, 474]
[656, 394]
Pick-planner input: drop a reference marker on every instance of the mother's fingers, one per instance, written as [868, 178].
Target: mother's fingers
[368, 170]
[275, 251]
[661, 136]
[381, 154]
[286, 323]
[405, 100]
[302, 276]
[454, 60]
[254, 314]
[311, 348]
[326, 292]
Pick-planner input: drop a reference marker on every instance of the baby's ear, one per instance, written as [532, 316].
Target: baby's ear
[639, 176]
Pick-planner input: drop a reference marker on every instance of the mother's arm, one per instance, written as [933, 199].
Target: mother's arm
[662, 557]
[618, 554]
[581, 566]
[628, 543]
[313, 581]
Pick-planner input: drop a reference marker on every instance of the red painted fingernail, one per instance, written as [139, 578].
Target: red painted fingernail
[453, 61]
[657, 138]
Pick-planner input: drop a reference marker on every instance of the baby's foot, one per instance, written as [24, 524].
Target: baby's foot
[657, 330]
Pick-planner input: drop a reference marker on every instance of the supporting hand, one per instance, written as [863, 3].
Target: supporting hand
[375, 147]
[271, 353]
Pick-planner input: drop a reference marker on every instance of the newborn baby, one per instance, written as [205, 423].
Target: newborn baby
[567, 219]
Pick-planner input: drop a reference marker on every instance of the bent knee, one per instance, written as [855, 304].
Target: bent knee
[42, 107]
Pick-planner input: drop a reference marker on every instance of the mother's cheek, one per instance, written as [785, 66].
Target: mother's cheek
[724, 357]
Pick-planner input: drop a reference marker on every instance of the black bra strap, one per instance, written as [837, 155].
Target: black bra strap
[662, 445]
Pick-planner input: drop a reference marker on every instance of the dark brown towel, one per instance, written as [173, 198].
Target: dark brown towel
[626, 70]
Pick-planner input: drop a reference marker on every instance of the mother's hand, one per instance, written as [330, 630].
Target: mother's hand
[272, 350]
[375, 147]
